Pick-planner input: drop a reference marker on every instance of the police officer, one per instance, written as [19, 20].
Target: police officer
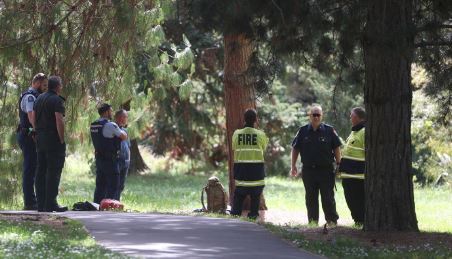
[25, 137]
[352, 166]
[106, 137]
[121, 118]
[49, 113]
[319, 147]
[249, 145]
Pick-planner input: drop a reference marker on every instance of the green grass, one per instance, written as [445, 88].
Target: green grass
[19, 239]
[174, 192]
[171, 191]
[349, 248]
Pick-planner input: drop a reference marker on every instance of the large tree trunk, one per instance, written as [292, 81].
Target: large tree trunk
[137, 163]
[388, 51]
[238, 90]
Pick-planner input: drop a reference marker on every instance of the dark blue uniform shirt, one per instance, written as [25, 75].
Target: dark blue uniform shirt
[316, 147]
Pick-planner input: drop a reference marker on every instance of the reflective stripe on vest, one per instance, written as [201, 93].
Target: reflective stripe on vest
[249, 183]
[351, 176]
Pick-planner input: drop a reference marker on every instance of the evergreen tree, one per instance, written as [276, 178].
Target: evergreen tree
[333, 37]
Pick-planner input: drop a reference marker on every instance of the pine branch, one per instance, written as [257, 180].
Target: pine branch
[52, 28]
[424, 44]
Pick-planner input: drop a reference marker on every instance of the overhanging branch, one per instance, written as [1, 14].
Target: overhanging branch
[52, 28]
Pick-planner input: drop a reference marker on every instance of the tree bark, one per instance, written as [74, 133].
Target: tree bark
[238, 90]
[137, 163]
[388, 51]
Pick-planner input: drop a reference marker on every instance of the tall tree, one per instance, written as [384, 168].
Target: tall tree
[238, 89]
[388, 53]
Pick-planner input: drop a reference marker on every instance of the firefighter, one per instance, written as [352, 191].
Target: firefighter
[319, 147]
[249, 145]
[352, 166]
[106, 136]
[25, 137]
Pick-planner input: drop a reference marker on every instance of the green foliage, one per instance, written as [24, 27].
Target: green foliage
[431, 140]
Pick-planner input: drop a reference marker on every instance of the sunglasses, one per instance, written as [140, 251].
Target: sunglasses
[316, 115]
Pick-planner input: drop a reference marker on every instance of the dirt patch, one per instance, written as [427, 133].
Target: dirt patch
[42, 219]
[378, 239]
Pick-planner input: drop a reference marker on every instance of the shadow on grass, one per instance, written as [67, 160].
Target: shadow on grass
[352, 242]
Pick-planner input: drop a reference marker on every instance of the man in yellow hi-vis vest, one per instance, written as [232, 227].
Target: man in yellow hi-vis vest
[249, 145]
[352, 166]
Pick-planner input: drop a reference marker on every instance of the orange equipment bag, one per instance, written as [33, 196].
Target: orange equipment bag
[110, 204]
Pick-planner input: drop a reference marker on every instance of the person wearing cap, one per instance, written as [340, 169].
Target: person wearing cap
[352, 166]
[319, 147]
[106, 136]
[48, 112]
[121, 118]
[249, 146]
[25, 138]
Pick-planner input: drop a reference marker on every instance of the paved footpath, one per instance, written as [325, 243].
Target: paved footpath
[170, 236]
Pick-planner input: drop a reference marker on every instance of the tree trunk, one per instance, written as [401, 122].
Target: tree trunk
[137, 163]
[238, 90]
[388, 51]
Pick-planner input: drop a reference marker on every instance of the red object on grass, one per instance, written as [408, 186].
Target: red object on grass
[110, 204]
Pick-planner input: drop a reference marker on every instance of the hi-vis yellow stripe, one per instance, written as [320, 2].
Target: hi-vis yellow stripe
[353, 158]
[352, 176]
[249, 183]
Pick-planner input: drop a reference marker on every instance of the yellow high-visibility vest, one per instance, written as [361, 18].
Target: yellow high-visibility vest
[249, 145]
[354, 146]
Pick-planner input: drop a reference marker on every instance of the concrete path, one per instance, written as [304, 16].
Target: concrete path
[170, 236]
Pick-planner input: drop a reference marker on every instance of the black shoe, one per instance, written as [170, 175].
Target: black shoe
[56, 209]
[31, 207]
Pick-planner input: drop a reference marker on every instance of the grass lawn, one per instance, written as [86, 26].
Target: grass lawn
[170, 191]
[47, 237]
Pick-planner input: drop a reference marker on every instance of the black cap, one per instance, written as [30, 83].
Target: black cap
[103, 108]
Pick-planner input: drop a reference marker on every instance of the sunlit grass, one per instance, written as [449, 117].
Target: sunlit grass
[171, 191]
[20, 239]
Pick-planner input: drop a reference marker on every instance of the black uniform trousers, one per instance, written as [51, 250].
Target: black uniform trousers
[107, 179]
[354, 196]
[51, 157]
[315, 181]
[240, 194]
[28, 147]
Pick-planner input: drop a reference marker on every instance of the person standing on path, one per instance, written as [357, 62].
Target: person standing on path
[249, 145]
[49, 113]
[352, 166]
[106, 136]
[319, 147]
[26, 138]
[121, 118]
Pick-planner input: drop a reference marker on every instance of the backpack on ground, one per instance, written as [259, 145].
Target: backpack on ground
[217, 197]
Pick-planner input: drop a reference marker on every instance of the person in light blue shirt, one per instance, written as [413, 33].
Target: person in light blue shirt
[121, 118]
[106, 137]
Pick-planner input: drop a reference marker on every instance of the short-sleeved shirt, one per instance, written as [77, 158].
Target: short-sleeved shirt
[45, 107]
[316, 147]
[111, 130]
[28, 101]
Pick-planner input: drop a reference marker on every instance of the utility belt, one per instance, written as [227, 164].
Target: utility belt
[318, 167]
[106, 155]
[26, 131]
